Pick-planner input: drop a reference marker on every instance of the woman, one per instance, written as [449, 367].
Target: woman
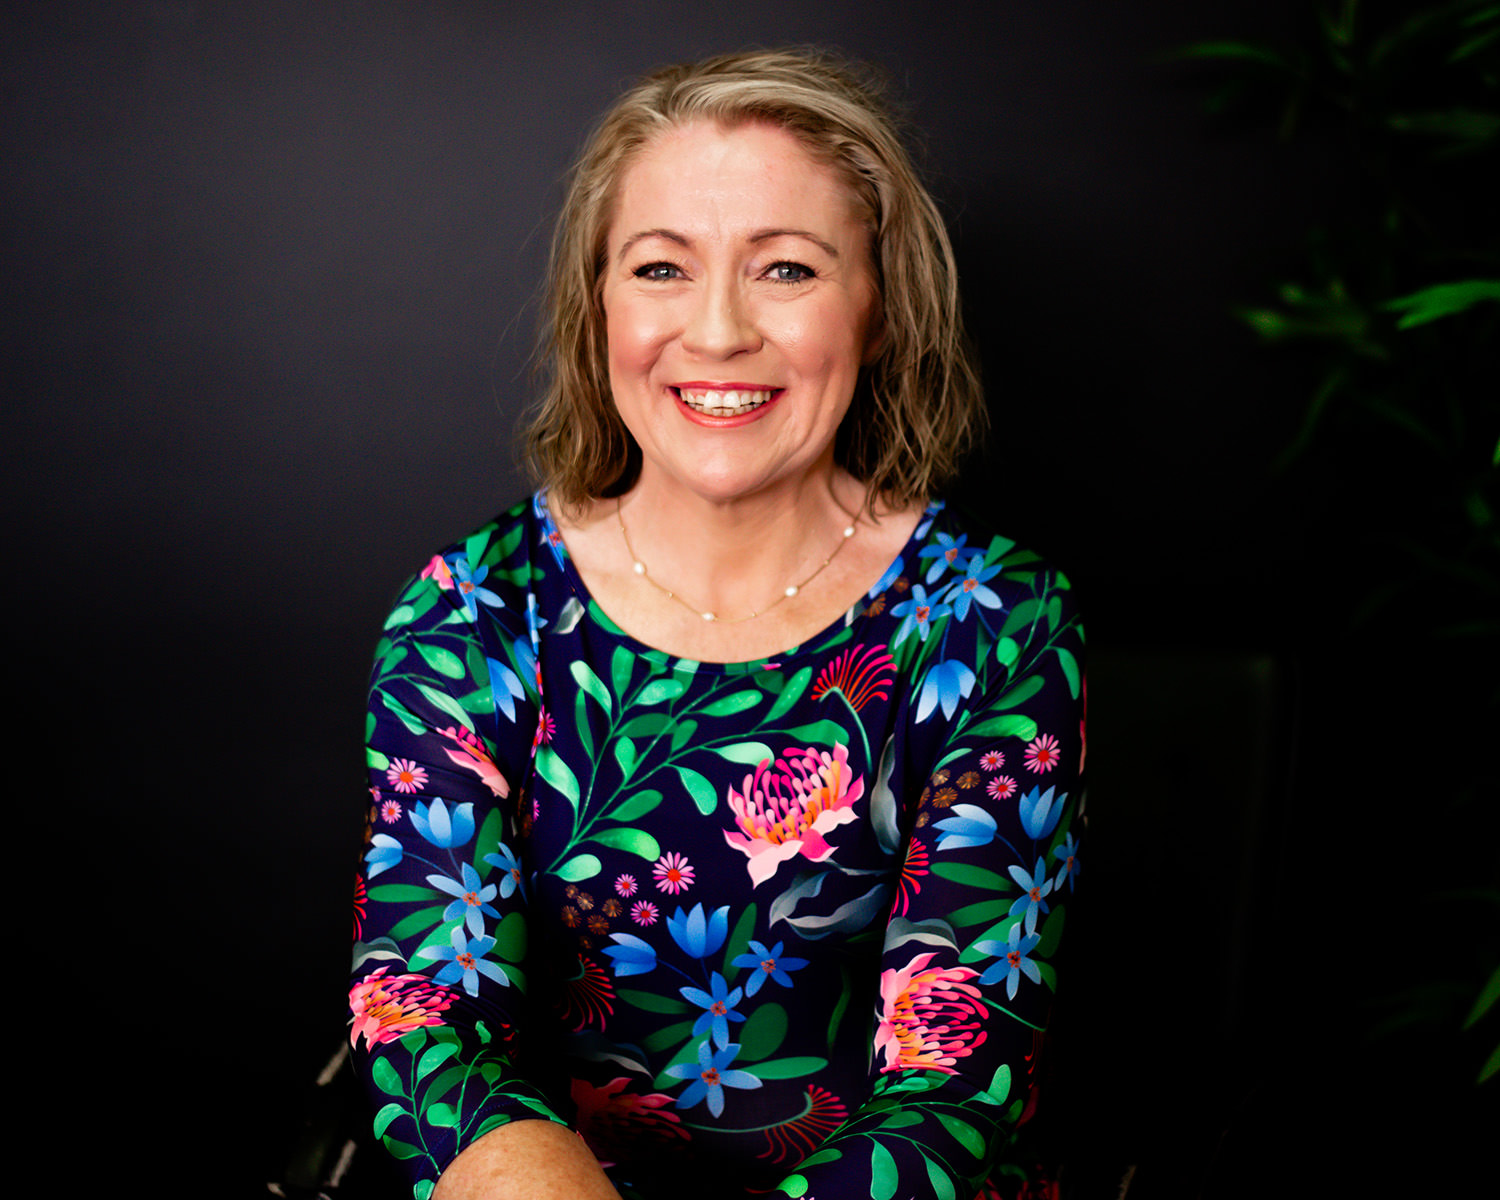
[724, 792]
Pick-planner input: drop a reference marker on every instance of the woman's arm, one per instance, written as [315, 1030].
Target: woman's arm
[526, 1160]
[968, 964]
[439, 982]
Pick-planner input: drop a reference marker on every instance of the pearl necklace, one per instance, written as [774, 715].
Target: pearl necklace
[789, 591]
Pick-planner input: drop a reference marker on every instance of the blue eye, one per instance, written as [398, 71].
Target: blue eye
[789, 272]
[658, 272]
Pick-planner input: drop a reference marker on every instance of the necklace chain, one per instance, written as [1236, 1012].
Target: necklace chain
[789, 591]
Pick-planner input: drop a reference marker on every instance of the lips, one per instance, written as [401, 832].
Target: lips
[725, 402]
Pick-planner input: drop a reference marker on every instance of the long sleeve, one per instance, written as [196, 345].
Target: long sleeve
[968, 965]
[439, 984]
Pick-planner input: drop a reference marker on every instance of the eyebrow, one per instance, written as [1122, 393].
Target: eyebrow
[762, 235]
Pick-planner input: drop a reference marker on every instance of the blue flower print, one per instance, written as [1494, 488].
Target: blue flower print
[1013, 961]
[504, 687]
[917, 613]
[1040, 812]
[971, 588]
[465, 959]
[697, 934]
[892, 573]
[712, 1077]
[471, 901]
[632, 956]
[1067, 854]
[947, 553]
[467, 581]
[718, 1008]
[947, 683]
[1034, 890]
[384, 852]
[768, 964]
[441, 827]
[969, 825]
[511, 865]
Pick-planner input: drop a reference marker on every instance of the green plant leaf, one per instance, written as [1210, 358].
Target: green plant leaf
[790, 1068]
[1442, 300]
[1486, 999]
[735, 702]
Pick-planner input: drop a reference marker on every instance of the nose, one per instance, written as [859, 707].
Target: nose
[720, 326]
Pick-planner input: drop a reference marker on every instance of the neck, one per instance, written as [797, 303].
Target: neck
[736, 557]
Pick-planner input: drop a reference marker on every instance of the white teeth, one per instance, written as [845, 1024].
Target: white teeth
[723, 403]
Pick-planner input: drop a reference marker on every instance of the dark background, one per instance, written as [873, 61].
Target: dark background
[270, 274]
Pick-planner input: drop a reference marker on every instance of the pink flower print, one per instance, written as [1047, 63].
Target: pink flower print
[1042, 754]
[626, 886]
[643, 912]
[1002, 787]
[616, 1122]
[789, 805]
[438, 570]
[930, 1016]
[672, 873]
[390, 811]
[405, 776]
[386, 1009]
[992, 761]
[472, 756]
[910, 883]
[546, 727]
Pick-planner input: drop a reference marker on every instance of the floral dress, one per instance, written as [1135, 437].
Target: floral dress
[779, 927]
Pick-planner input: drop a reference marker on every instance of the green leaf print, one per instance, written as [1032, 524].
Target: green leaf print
[636, 806]
[385, 1116]
[632, 841]
[621, 666]
[735, 702]
[386, 1078]
[1069, 666]
[447, 704]
[585, 678]
[400, 616]
[763, 1033]
[790, 1068]
[579, 867]
[556, 772]
[883, 1176]
[942, 1186]
[752, 754]
[965, 1134]
[405, 717]
[441, 660]
[659, 691]
[699, 789]
[434, 1057]
[791, 692]
[624, 750]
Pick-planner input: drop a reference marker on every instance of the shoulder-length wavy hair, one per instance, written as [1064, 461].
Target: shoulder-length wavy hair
[916, 408]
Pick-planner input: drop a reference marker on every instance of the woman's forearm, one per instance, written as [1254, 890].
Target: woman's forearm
[526, 1160]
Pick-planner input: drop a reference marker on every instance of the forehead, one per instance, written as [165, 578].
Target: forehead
[709, 174]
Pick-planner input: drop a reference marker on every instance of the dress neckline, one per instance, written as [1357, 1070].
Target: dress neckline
[851, 616]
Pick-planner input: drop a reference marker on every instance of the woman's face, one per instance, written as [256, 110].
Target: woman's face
[740, 302]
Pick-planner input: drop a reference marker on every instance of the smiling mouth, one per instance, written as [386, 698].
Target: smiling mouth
[728, 402]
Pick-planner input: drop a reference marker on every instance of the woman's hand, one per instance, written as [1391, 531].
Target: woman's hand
[526, 1160]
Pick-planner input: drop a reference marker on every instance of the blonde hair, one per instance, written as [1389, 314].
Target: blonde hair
[916, 408]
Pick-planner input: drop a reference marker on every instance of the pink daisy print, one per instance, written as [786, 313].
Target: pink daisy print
[643, 912]
[1002, 787]
[1041, 755]
[390, 811]
[405, 775]
[672, 873]
[992, 761]
[626, 885]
